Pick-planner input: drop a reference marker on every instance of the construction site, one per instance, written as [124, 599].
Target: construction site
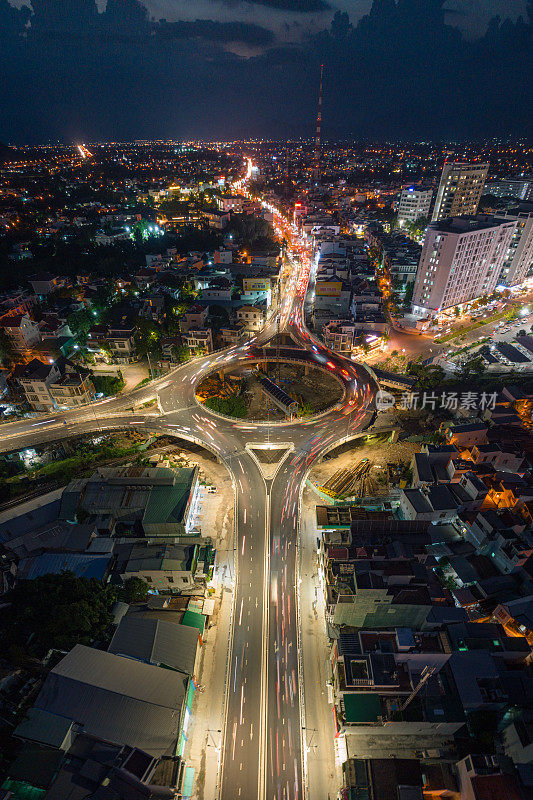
[366, 467]
[274, 391]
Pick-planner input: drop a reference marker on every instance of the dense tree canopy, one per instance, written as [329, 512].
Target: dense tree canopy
[58, 611]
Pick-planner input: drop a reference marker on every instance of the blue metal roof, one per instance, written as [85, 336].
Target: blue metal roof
[83, 565]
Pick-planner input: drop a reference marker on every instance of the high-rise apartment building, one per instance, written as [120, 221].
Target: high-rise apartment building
[461, 260]
[414, 203]
[459, 190]
[519, 259]
[521, 188]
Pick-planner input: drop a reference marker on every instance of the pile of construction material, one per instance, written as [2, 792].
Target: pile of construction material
[213, 386]
[350, 482]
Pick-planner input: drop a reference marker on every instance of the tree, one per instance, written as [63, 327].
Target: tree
[7, 354]
[251, 232]
[58, 611]
[233, 406]
[408, 295]
[147, 338]
[135, 590]
[108, 385]
[427, 377]
[472, 368]
[181, 353]
[306, 410]
[79, 323]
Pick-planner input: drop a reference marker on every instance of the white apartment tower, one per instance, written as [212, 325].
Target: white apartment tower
[519, 259]
[459, 190]
[414, 203]
[461, 260]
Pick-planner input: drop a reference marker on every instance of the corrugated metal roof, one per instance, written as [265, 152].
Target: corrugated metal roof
[157, 642]
[83, 565]
[117, 699]
[169, 503]
[44, 727]
[194, 620]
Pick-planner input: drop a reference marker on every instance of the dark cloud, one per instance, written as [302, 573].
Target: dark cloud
[294, 6]
[401, 71]
[300, 6]
[215, 31]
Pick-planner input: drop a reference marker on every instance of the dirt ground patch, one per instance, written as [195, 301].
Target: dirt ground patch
[379, 452]
[314, 392]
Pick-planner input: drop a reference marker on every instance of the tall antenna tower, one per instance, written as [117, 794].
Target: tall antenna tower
[316, 170]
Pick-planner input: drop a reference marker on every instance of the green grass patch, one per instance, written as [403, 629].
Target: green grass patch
[233, 406]
[142, 383]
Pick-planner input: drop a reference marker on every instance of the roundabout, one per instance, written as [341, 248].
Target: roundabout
[272, 391]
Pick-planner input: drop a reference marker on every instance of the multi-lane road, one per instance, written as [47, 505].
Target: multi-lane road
[262, 755]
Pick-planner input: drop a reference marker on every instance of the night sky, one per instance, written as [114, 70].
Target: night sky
[223, 69]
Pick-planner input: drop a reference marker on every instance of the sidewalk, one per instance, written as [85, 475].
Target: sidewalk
[323, 780]
[203, 747]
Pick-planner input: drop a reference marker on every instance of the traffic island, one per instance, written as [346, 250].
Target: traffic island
[272, 391]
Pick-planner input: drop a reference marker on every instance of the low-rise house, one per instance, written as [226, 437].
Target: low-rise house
[83, 565]
[16, 301]
[153, 307]
[61, 383]
[333, 295]
[118, 234]
[217, 219]
[251, 318]
[231, 336]
[339, 336]
[264, 258]
[163, 566]
[217, 291]
[256, 288]
[435, 503]
[22, 331]
[481, 778]
[199, 338]
[469, 491]
[386, 779]
[428, 705]
[195, 317]
[465, 434]
[34, 379]
[120, 339]
[52, 326]
[158, 642]
[158, 501]
[518, 739]
[231, 202]
[494, 454]
[44, 283]
[145, 277]
[73, 387]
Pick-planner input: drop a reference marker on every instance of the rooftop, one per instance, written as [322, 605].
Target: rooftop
[117, 699]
